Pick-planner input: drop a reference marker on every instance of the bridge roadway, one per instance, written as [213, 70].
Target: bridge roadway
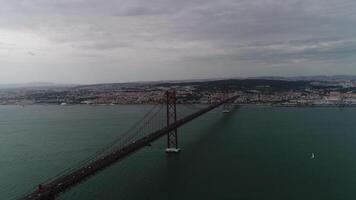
[50, 190]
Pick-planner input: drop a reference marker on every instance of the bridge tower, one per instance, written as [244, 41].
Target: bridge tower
[228, 105]
[172, 136]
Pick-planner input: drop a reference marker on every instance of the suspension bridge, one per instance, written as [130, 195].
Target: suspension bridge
[142, 134]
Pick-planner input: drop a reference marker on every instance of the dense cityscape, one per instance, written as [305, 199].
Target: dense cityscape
[251, 91]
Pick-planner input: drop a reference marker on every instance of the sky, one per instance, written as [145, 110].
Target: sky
[96, 41]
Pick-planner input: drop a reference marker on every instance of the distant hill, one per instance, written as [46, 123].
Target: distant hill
[244, 84]
[34, 85]
[309, 78]
[218, 81]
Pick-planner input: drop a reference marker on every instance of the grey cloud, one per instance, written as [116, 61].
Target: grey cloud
[333, 50]
[6, 46]
[287, 52]
[191, 32]
[104, 46]
[31, 53]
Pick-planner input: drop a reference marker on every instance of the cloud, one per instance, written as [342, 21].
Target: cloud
[227, 36]
[31, 53]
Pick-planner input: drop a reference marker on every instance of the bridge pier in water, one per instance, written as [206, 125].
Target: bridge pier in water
[172, 136]
[227, 106]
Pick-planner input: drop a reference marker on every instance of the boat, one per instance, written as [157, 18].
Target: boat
[312, 156]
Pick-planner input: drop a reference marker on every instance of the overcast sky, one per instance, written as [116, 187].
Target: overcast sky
[96, 41]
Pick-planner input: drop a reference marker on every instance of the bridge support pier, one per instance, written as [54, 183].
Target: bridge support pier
[227, 107]
[172, 136]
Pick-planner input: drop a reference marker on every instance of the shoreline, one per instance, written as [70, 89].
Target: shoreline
[148, 104]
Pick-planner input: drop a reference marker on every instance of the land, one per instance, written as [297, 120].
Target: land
[277, 91]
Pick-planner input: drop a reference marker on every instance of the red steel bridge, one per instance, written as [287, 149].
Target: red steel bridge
[142, 134]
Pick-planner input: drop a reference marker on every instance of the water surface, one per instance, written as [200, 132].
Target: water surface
[252, 153]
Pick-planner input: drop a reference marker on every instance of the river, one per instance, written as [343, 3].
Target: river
[252, 153]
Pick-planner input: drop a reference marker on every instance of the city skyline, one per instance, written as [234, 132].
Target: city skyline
[83, 42]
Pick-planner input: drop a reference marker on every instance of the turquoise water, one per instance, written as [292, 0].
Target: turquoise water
[252, 153]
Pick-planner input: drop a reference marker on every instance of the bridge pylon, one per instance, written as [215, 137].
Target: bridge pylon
[172, 136]
[227, 107]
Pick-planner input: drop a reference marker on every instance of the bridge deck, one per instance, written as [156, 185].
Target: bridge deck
[52, 189]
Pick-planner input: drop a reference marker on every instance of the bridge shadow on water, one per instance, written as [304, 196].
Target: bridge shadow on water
[153, 174]
[199, 143]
